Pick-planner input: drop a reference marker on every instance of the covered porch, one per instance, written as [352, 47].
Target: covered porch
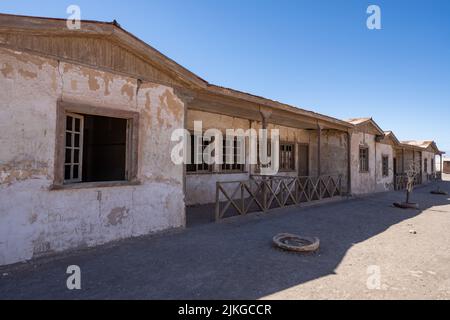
[314, 157]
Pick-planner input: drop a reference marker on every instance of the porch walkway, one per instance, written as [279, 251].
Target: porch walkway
[235, 259]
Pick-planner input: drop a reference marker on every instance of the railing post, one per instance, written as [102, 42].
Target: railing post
[217, 202]
[242, 198]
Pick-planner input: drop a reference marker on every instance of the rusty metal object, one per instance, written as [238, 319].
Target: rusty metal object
[291, 242]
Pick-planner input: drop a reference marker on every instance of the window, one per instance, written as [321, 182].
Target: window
[287, 157]
[95, 145]
[363, 159]
[425, 164]
[385, 164]
[234, 150]
[198, 167]
[269, 155]
[73, 148]
[433, 166]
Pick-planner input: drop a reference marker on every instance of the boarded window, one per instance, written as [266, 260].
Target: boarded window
[385, 165]
[233, 155]
[95, 148]
[287, 157]
[363, 159]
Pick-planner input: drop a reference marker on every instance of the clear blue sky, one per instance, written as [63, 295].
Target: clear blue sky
[317, 55]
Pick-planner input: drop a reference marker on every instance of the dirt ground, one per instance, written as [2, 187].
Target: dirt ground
[369, 250]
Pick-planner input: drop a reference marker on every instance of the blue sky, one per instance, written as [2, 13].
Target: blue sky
[317, 55]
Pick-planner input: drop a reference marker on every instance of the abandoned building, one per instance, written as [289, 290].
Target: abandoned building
[446, 166]
[85, 129]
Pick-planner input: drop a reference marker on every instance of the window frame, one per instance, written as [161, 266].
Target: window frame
[385, 169]
[64, 109]
[425, 165]
[293, 154]
[235, 167]
[365, 170]
[209, 167]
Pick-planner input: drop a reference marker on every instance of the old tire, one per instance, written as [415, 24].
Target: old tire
[439, 192]
[404, 205]
[291, 242]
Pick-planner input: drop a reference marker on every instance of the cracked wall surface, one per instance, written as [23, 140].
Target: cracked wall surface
[35, 221]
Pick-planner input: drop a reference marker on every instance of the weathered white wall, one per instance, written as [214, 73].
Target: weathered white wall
[363, 182]
[35, 221]
[430, 156]
[384, 183]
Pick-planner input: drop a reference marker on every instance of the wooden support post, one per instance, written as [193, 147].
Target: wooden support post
[403, 161]
[349, 163]
[319, 145]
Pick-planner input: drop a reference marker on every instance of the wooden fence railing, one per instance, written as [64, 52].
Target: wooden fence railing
[263, 193]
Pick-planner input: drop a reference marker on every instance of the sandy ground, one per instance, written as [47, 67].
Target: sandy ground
[369, 250]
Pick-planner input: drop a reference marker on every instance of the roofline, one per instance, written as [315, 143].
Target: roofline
[381, 131]
[113, 30]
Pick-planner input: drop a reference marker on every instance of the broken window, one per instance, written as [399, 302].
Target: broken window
[363, 159]
[287, 157]
[385, 166]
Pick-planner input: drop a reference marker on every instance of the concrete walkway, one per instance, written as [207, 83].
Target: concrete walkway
[363, 241]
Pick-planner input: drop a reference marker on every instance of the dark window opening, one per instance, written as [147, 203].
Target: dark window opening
[95, 149]
[364, 159]
[385, 163]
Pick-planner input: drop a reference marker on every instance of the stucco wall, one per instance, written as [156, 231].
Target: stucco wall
[363, 182]
[36, 221]
[430, 157]
[384, 183]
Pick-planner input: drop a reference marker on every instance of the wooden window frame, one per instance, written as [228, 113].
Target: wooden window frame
[235, 149]
[132, 146]
[361, 169]
[293, 154]
[73, 148]
[385, 169]
[210, 167]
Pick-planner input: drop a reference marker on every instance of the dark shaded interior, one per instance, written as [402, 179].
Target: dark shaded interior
[104, 149]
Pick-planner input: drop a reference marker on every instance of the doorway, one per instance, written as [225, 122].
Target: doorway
[303, 160]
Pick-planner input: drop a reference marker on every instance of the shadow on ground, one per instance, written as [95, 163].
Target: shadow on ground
[233, 259]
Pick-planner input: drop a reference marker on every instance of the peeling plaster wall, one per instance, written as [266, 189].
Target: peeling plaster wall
[430, 156]
[35, 221]
[384, 183]
[363, 182]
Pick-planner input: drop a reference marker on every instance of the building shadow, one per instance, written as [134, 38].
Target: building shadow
[232, 259]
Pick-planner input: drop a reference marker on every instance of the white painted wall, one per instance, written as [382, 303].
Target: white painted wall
[35, 221]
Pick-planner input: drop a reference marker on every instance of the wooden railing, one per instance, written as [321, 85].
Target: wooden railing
[435, 176]
[401, 181]
[263, 193]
